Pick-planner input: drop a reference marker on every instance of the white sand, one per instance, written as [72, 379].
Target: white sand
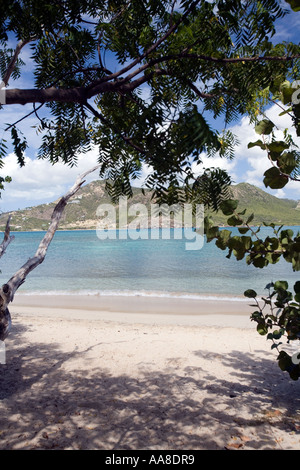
[142, 373]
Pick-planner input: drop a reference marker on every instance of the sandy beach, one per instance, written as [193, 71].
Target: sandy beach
[135, 373]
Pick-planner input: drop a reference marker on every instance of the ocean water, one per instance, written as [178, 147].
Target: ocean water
[79, 262]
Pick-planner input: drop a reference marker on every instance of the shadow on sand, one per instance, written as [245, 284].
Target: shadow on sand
[43, 404]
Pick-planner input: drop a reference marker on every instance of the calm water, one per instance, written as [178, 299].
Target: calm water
[78, 262]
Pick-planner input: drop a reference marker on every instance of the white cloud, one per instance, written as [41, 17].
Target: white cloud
[252, 163]
[280, 193]
[39, 181]
[255, 174]
[145, 172]
[215, 162]
[11, 114]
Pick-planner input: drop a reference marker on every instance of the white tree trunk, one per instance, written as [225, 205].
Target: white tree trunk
[8, 290]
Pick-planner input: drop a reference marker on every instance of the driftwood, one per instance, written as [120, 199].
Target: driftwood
[8, 290]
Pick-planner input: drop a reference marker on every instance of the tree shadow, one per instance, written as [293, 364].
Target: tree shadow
[46, 404]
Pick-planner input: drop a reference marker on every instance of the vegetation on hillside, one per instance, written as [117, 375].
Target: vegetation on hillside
[80, 213]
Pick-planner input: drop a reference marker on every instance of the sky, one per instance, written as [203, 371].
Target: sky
[40, 182]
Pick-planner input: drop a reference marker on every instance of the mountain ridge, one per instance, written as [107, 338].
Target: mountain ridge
[80, 212]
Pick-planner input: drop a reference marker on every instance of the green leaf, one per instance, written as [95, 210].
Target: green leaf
[274, 179]
[286, 111]
[233, 221]
[228, 206]
[295, 4]
[286, 91]
[269, 285]
[258, 143]
[211, 233]
[277, 334]
[284, 360]
[247, 241]
[223, 238]
[297, 287]
[262, 329]
[243, 230]
[264, 127]
[297, 297]
[281, 285]
[250, 218]
[278, 146]
[250, 293]
[259, 261]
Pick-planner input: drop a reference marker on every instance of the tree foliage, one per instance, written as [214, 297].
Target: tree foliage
[278, 316]
[139, 80]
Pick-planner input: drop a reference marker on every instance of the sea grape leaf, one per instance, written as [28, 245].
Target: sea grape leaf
[264, 127]
[274, 179]
[228, 206]
[258, 143]
[281, 285]
[250, 293]
[297, 287]
[295, 4]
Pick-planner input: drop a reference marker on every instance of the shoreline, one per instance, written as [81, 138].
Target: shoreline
[136, 309]
[144, 228]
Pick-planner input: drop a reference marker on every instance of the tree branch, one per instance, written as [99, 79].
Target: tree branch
[154, 46]
[225, 60]
[71, 95]
[14, 59]
[97, 86]
[103, 85]
[79, 94]
[19, 277]
[199, 93]
[7, 238]
[23, 117]
[8, 290]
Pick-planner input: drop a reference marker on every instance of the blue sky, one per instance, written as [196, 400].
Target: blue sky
[39, 181]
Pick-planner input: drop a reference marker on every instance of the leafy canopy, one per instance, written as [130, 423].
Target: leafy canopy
[141, 80]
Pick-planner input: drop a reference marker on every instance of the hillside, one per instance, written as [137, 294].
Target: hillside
[80, 213]
[267, 208]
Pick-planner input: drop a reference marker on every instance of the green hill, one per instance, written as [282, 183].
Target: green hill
[80, 213]
[266, 208]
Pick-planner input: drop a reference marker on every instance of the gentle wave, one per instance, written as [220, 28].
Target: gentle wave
[169, 295]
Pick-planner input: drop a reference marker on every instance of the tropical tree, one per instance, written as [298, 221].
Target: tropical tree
[144, 81]
[137, 79]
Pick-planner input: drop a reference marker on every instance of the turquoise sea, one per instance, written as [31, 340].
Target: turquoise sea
[79, 262]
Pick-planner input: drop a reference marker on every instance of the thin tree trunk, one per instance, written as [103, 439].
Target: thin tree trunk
[8, 290]
[7, 238]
